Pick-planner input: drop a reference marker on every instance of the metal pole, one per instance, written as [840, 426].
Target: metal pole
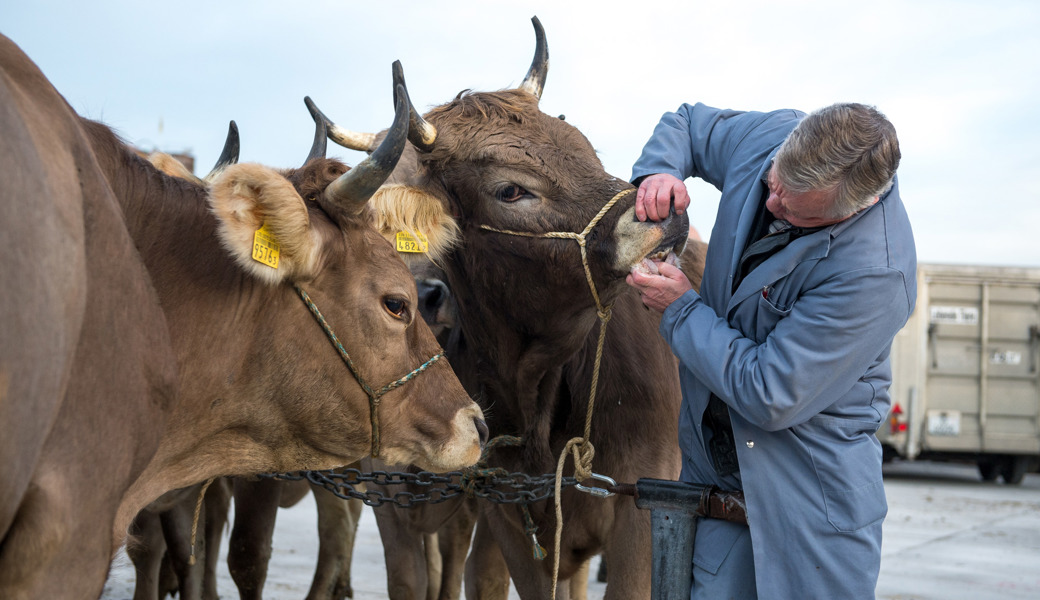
[673, 509]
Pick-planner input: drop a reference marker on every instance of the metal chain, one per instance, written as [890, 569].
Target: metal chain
[490, 484]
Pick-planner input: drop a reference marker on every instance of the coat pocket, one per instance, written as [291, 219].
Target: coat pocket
[847, 459]
[769, 314]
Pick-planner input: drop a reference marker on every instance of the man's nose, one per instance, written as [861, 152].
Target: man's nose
[773, 203]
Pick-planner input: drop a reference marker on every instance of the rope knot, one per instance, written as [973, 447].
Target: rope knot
[582, 451]
[480, 475]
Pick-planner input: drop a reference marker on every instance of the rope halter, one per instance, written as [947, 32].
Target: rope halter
[603, 312]
[579, 447]
[373, 395]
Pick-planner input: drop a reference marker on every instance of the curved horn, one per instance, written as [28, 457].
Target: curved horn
[229, 155]
[535, 80]
[421, 133]
[353, 140]
[348, 194]
[321, 132]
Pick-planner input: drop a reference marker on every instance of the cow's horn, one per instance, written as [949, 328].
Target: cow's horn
[535, 80]
[321, 132]
[229, 155]
[354, 140]
[421, 133]
[349, 193]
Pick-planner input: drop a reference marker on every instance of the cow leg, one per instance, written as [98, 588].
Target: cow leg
[249, 549]
[403, 553]
[579, 582]
[176, 525]
[337, 527]
[532, 578]
[146, 548]
[627, 552]
[216, 505]
[434, 565]
[453, 539]
[168, 584]
[487, 576]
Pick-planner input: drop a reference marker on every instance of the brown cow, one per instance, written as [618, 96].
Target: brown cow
[145, 350]
[165, 532]
[529, 322]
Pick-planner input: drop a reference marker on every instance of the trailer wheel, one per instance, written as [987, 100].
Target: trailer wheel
[989, 470]
[1014, 469]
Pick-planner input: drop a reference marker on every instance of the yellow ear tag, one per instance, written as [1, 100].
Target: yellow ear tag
[406, 242]
[266, 249]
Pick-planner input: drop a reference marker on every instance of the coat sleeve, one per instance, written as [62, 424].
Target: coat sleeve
[697, 141]
[813, 356]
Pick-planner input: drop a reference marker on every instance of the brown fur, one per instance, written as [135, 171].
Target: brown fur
[141, 357]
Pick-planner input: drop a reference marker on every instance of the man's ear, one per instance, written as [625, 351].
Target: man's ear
[422, 217]
[263, 222]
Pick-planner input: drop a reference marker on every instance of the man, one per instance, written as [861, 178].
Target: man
[784, 352]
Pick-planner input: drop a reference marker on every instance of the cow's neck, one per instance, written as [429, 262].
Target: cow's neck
[174, 233]
[521, 356]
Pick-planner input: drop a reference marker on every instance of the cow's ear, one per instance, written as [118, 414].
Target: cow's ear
[420, 217]
[263, 222]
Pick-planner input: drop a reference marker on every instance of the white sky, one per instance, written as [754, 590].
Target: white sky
[960, 80]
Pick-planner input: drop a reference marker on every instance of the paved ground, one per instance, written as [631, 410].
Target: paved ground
[948, 536]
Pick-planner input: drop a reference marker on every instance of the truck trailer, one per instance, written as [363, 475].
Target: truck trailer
[966, 371]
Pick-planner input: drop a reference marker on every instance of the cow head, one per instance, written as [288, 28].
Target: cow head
[316, 234]
[493, 161]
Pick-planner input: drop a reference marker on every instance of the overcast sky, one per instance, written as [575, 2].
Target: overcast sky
[959, 79]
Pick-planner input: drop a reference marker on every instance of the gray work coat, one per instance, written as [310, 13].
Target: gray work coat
[799, 353]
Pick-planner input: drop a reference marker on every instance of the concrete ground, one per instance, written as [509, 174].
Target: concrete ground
[948, 536]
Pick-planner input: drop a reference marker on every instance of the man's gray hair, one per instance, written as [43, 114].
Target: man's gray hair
[849, 148]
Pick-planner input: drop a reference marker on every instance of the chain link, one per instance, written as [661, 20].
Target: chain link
[491, 484]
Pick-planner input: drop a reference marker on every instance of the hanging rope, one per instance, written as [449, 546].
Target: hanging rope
[580, 448]
[195, 519]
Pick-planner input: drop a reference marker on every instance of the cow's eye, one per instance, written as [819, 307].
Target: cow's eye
[397, 307]
[512, 193]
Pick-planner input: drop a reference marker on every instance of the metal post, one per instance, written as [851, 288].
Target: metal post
[673, 509]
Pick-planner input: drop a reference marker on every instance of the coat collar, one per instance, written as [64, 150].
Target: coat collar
[810, 247]
[748, 214]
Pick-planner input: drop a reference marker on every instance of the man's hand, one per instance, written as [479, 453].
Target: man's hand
[659, 290]
[656, 194]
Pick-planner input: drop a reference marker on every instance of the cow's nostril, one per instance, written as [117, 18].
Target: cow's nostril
[482, 431]
[433, 293]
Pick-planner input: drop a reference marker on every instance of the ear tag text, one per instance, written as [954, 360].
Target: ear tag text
[266, 248]
[406, 242]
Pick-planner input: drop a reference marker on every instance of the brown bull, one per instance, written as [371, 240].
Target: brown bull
[145, 350]
[495, 169]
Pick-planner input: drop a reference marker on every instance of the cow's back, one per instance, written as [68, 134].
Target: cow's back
[85, 368]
